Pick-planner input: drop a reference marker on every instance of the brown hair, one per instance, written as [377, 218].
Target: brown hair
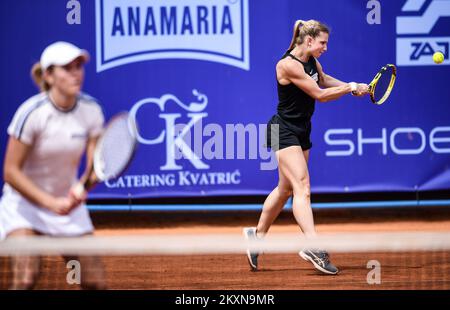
[307, 28]
[38, 77]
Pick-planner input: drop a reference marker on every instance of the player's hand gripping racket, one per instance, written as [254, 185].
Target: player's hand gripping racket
[381, 86]
[113, 152]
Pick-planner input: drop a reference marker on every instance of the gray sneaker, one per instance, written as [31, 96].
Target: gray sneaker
[320, 260]
[252, 257]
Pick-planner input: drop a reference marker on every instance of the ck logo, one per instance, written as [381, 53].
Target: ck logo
[175, 140]
[415, 43]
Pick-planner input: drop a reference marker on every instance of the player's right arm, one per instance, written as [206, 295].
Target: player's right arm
[294, 72]
[16, 154]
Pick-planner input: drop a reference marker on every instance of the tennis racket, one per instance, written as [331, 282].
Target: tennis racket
[381, 86]
[113, 152]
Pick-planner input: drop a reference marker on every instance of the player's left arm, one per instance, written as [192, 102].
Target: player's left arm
[326, 81]
[90, 147]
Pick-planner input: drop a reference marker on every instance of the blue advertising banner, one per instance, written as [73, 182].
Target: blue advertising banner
[199, 78]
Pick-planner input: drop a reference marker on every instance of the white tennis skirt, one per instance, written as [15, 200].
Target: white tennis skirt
[17, 213]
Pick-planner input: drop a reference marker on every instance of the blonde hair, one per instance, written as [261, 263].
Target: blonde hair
[307, 28]
[37, 74]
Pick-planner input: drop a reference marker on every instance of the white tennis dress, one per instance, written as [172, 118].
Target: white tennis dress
[58, 139]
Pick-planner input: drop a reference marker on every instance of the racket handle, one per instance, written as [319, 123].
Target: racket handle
[79, 190]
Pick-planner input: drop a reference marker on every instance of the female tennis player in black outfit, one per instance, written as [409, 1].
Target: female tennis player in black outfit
[300, 81]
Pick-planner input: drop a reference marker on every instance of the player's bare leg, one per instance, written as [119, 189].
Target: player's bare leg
[25, 268]
[274, 203]
[294, 167]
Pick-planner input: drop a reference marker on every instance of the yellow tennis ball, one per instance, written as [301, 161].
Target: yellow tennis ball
[438, 57]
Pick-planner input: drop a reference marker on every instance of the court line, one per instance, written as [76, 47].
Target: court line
[256, 207]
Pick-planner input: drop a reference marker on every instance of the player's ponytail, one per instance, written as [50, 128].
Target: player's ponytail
[302, 29]
[298, 24]
[37, 75]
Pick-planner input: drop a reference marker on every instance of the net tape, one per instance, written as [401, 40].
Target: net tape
[225, 243]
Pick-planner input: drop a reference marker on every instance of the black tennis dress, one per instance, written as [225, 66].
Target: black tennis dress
[294, 112]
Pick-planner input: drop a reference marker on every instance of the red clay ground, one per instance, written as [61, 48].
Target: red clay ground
[277, 272]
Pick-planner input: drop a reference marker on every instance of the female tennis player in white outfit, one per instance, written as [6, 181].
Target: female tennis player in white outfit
[48, 135]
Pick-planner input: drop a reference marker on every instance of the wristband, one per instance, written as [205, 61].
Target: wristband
[353, 86]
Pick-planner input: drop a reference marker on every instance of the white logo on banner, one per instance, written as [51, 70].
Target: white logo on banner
[419, 49]
[399, 141]
[184, 141]
[139, 30]
[175, 141]
[195, 141]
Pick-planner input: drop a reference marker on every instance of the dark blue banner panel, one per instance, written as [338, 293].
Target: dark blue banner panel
[199, 78]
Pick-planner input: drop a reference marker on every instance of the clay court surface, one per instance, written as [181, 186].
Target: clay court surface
[423, 270]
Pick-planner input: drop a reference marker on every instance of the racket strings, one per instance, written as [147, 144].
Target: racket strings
[116, 147]
[384, 85]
